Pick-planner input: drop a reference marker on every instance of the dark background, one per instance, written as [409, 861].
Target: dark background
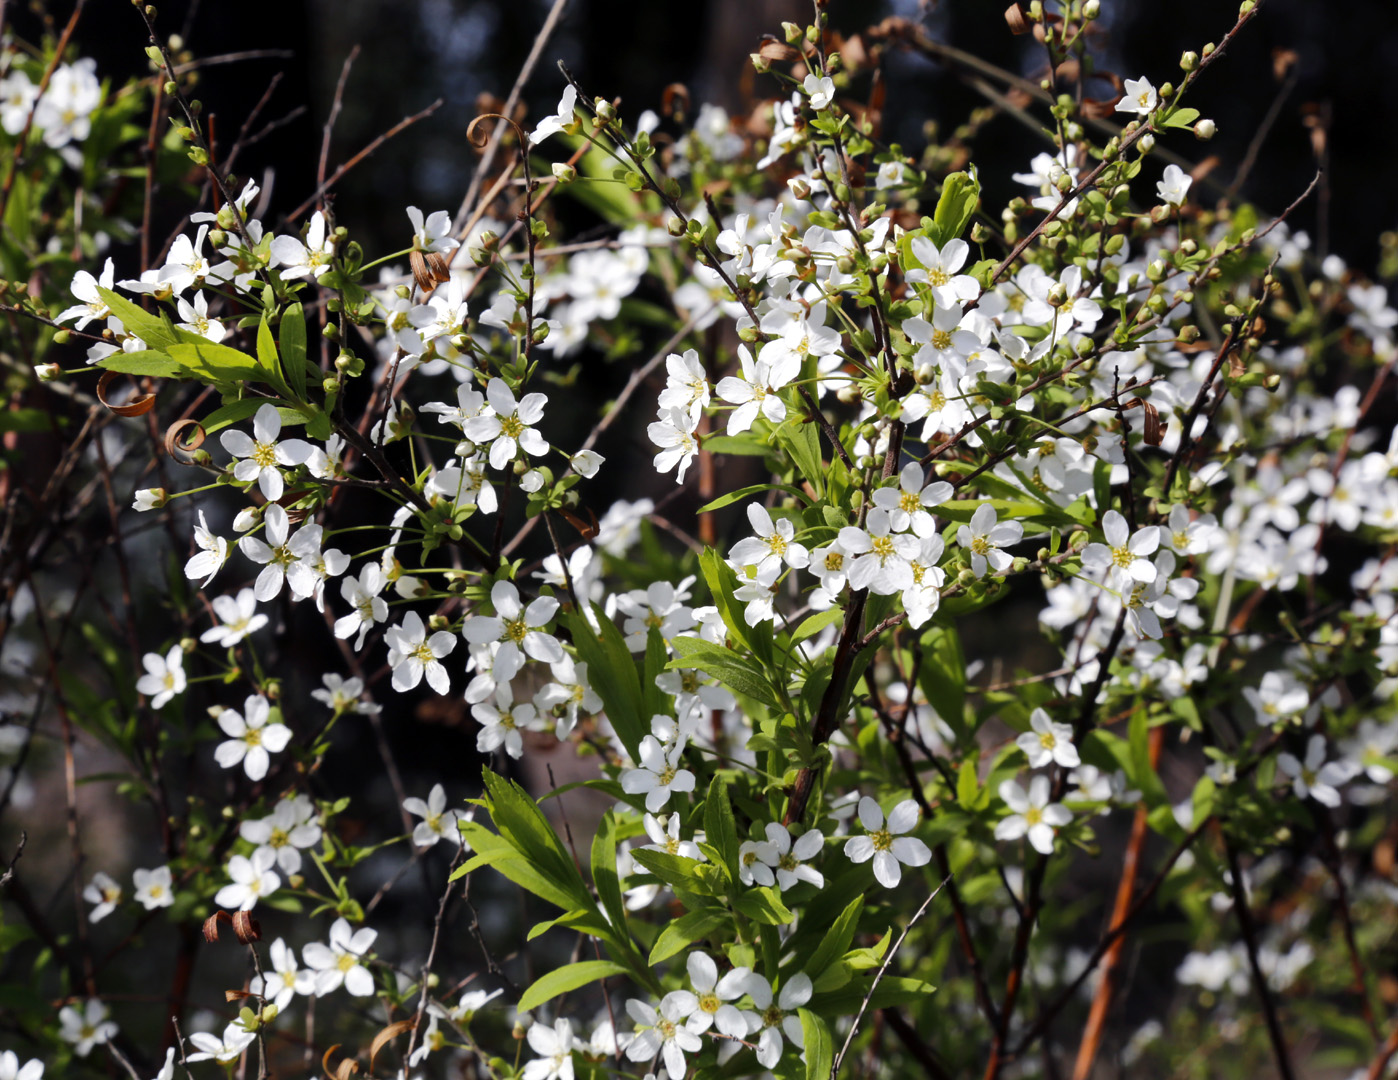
[413, 51]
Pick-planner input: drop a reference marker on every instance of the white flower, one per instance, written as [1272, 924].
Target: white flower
[660, 772]
[940, 273]
[10, 1068]
[879, 558]
[568, 694]
[1316, 777]
[586, 463]
[84, 288]
[507, 427]
[434, 234]
[1033, 815]
[1048, 742]
[167, 1071]
[253, 878]
[674, 434]
[234, 1041]
[555, 1046]
[196, 318]
[413, 654]
[1279, 699]
[984, 538]
[154, 888]
[708, 1006]
[550, 125]
[149, 499]
[314, 257]
[1124, 557]
[1140, 97]
[756, 390]
[1174, 188]
[781, 1019]
[437, 821]
[686, 384]
[342, 694]
[362, 594]
[906, 503]
[883, 844]
[239, 619]
[186, 265]
[87, 1028]
[290, 828]
[164, 677]
[251, 737]
[341, 960]
[260, 454]
[662, 1032]
[821, 91]
[517, 628]
[286, 978]
[105, 893]
[502, 722]
[212, 554]
[773, 545]
[789, 860]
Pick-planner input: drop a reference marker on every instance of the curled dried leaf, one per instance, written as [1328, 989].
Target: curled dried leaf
[236, 995]
[136, 407]
[1155, 430]
[177, 446]
[347, 1067]
[780, 51]
[245, 927]
[1017, 20]
[588, 530]
[386, 1036]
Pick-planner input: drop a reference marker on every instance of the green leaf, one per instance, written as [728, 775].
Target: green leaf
[569, 977]
[612, 672]
[820, 1048]
[736, 445]
[816, 623]
[837, 940]
[803, 444]
[220, 364]
[942, 676]
[604, 875]
[725, 665]
[674, 870]
[961, 194]
[752, 489]
[656, 657]
[891, 990]
[720, 826]
[684, 931]
[524, 826]
[967, 785]
[148, 362]
[763, 905]
[152, 329]
[292, 333]
[235, 412]
[267, 356]
[1182, 118]
[497, 853]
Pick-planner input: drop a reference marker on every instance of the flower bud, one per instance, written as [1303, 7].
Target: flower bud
[760, 63]
[1205, 130]
[48, 372]
[792, 32]
[966, 578]
[564, 173]
[1167, 90]
[1189, 61]
[675, 227]
[924, 374]
[1091, 9]
[1145, 144]
[1058, 295]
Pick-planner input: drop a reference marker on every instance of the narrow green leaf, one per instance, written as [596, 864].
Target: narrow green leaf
[816, 623]
[803, 444]
[820, 1049]
[604, 875]
[569, 977]
[752, 489]
[720, 826]
[961, 194]
[726, 666]
[674, 870]
[292, 334]
[267, 357]
[684, 931]
[837, 940]
[612, 671]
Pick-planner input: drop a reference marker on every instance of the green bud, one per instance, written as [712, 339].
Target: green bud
[199, 155]
[760, 63]
[748, 334]
[331, 332]
[1145, 144]
[966, 578]
[1189, 61]
[1115, 243]
[791, 32]
[564, 173]
[170, 88]
[1091, 9]
[156, 56]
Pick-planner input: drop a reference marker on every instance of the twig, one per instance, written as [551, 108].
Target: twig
[1264, 992]
[873, 984]
[432, 950]
[336, 103]
[19, 850]
[378, 141]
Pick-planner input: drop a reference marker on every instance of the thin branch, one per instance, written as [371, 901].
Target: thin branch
[1264, 992]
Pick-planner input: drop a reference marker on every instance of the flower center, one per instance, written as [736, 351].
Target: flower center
[938, 277]
[667, 775]
[1122, 557]
[882, 546]
[278, 839]
[423, 654]
[1180, 539]
[710, 1003]
[772, 1016]
[834, 562]
[777, 542]
[346, 962]
[1047, 740]
[265, 454]
[253, 736]
[1033, 815]
[515, 629]
[653, 621]
[980, 545]
[788, 862]
[882, 838]
[910, 501]
[511, 426]
[941, 340]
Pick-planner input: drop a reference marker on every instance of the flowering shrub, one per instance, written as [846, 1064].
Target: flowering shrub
[1060, 567]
